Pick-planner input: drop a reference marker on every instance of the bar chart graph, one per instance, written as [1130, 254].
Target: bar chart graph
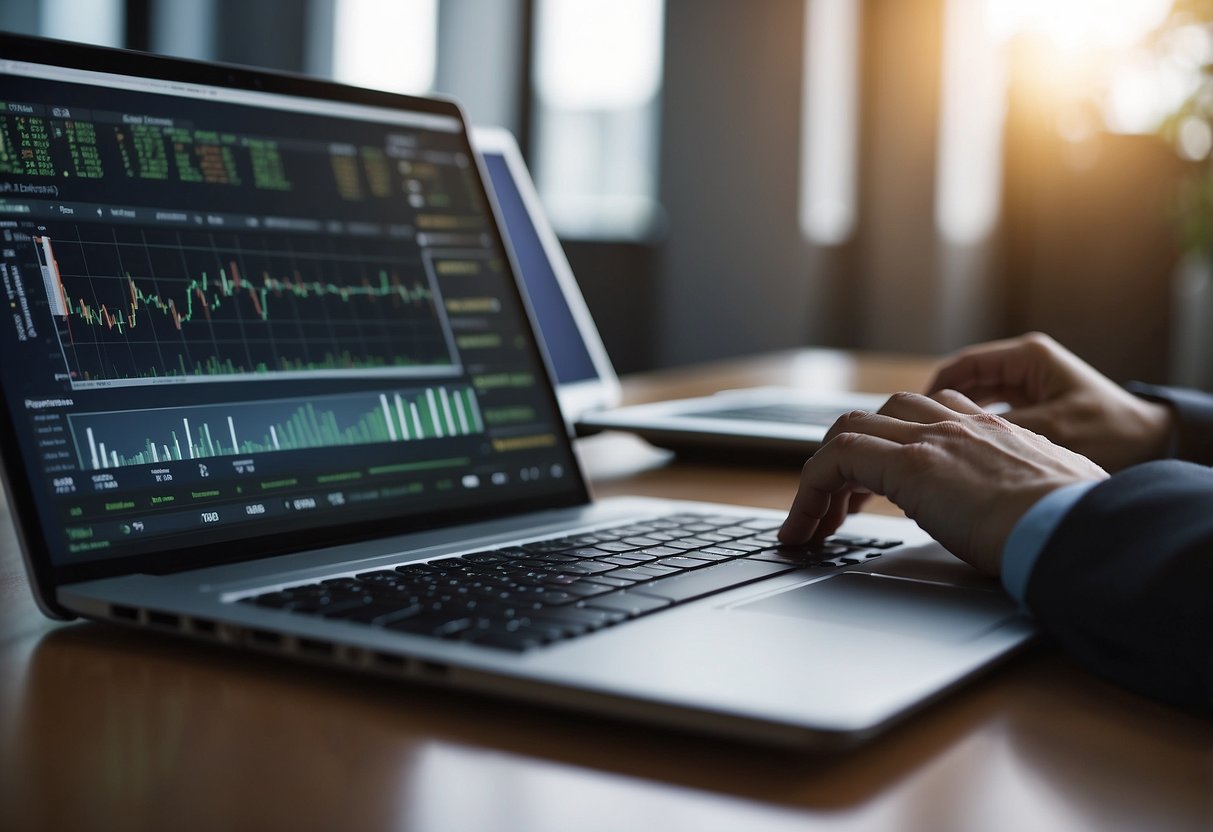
[117, 439]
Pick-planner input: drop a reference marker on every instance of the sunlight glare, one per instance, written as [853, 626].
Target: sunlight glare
[1078, 25]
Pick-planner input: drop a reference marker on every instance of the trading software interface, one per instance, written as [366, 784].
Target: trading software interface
[229, 313]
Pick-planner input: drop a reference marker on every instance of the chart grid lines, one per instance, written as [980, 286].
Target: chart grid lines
[134, 311]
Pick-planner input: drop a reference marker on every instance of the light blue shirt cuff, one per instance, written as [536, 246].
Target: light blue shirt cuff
[1028, 538]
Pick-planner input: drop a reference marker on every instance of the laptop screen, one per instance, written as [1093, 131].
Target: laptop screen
[567, 350]
[232, 314]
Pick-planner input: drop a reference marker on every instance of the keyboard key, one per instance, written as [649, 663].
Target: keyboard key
[485, 557]
[453, 628]
[661, 537]
[631, 558]
[627, 603]
[610, 580]
[539, 547]
[423, 624]
[587, 567]
[557, 597]
[586, 589]
[515, 642]
[641, 573]
[713, 557]
[329, 606]
[340, 582]
[593, 618]
[273, 600]
[658, 552]
[553, 557]
[761, 525]
[380, 613]
[684, 562]
[803, 555]
[414, 570]
[848, 540]
[617, 546]
[380, 573]
[722, 520]
[587, 552]
[558, 629]
[620, 560]
[736, 531]
[745, 546]
[709, 580]
[716, 550]
[688, 543]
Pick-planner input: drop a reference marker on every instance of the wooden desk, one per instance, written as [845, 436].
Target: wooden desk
[100, 728]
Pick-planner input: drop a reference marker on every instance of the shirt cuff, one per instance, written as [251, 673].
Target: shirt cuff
[1027, 540]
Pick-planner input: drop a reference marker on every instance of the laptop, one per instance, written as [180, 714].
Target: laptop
[764, 423]
[268, 382]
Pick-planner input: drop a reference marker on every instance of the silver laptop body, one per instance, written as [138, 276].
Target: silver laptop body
[266, 335]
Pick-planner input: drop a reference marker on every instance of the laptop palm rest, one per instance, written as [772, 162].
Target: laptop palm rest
[904, 606]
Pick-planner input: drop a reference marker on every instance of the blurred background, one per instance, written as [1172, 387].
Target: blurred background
[729, 178]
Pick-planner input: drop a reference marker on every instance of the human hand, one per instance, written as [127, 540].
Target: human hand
[1055, 393]
[964, 475]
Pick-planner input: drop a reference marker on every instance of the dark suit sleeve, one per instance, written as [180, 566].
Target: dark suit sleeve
[1125, 583]
[1193, 419]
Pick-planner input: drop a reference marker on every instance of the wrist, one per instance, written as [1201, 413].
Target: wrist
[1027, 540]
[1158, 421]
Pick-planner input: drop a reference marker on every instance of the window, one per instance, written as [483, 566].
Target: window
[389, 46]
[1087, 52]
[829, 121]
[86, 21]
[968, 174]
[597, 81]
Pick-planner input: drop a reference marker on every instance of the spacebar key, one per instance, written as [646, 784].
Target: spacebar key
[710, 579]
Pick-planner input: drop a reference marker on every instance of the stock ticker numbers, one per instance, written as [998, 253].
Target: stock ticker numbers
[143, 150]
[62, 143]
[269, 172]
[81, 139]
[25, 145]
[203, 156]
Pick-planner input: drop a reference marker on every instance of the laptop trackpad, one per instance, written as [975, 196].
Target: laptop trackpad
[899, 605]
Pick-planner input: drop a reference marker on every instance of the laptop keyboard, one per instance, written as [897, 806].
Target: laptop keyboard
[795, 414]
[522, 597]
